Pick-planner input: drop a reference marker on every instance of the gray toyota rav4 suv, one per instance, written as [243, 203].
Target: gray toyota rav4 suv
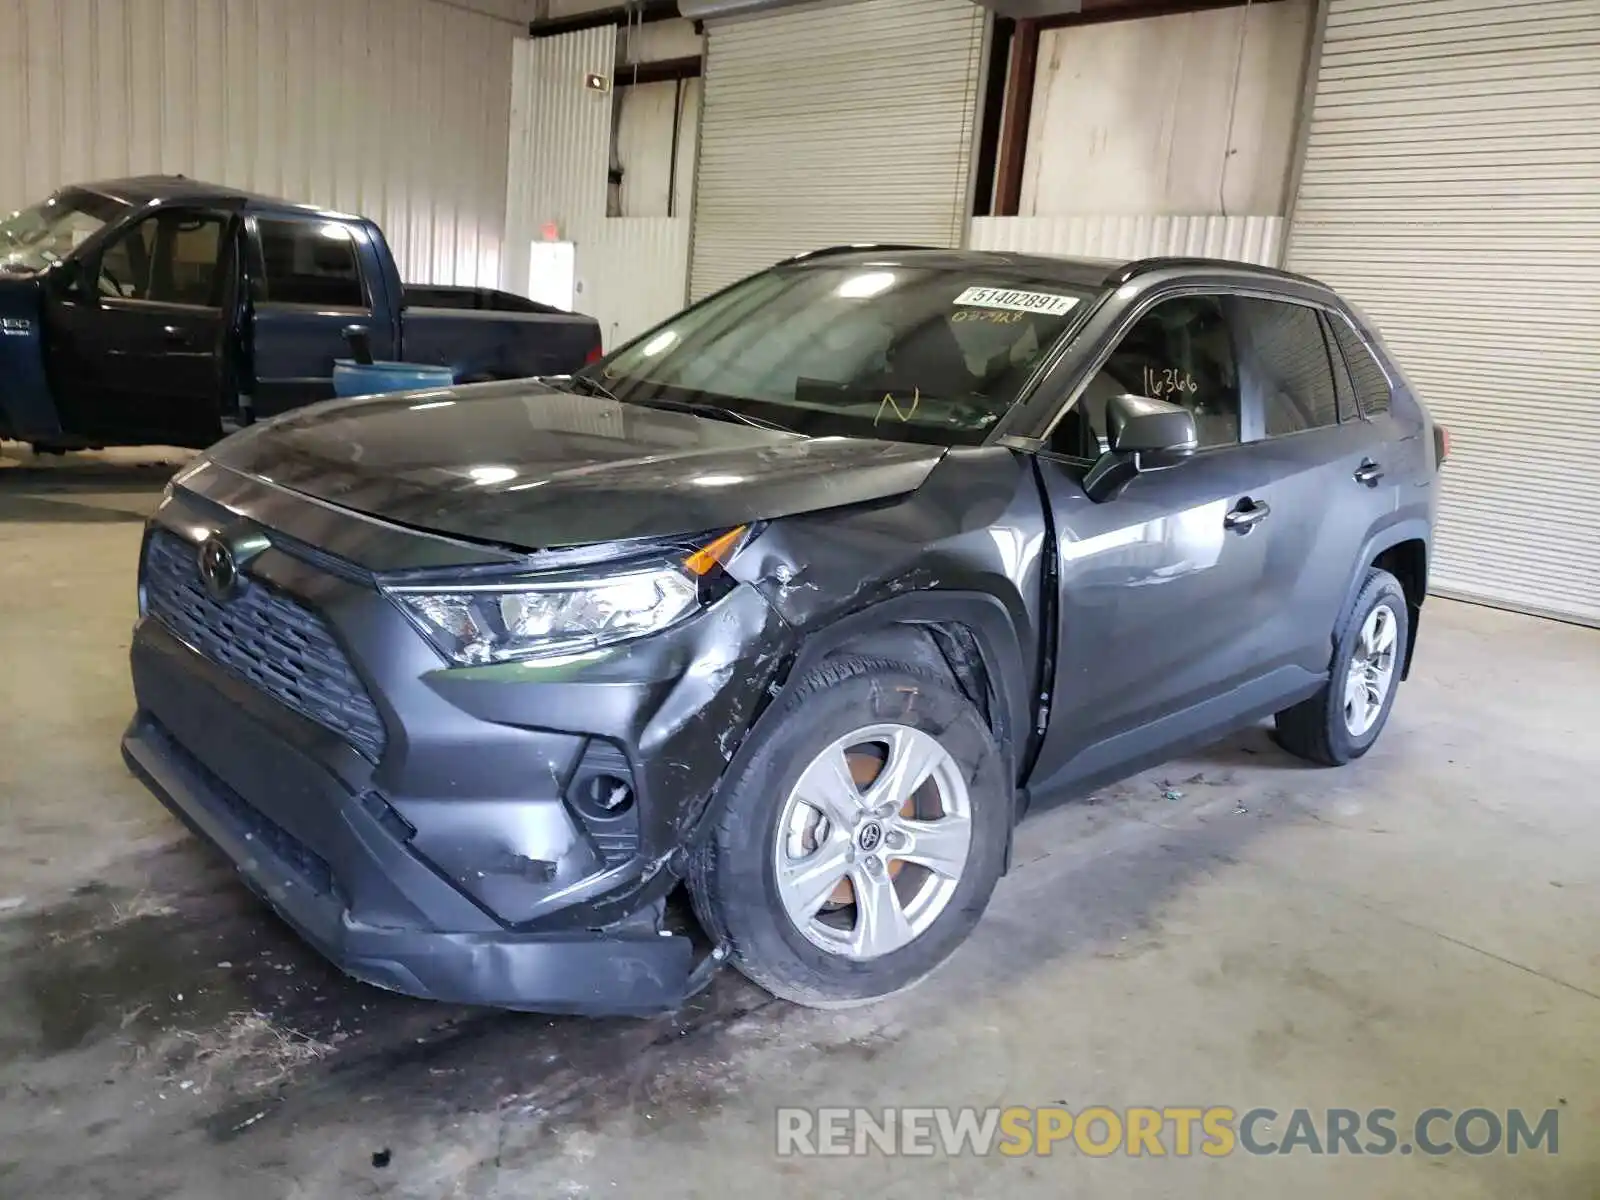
[800, 601]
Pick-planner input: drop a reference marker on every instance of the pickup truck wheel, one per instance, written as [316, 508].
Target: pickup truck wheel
[1343, 720]
[861, 839]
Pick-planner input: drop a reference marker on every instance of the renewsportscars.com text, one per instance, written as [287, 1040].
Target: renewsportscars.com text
[1217, 1131]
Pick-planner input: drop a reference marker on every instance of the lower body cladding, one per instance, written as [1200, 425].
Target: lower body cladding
[502, 835]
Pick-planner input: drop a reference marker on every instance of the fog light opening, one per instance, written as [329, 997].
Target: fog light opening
[607, 795]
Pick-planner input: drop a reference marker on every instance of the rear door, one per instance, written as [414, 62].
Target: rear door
[308, 287]
[137, 349]
[1326, 471]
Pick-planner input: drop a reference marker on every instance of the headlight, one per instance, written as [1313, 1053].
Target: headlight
[526, 619]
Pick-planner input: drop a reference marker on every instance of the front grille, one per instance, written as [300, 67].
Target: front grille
[265, 637]
[305, 862]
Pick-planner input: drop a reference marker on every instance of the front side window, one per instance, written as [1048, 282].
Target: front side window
[168, 258]
[1287, 354]
[1180, 351]
[863, 350]
[1371, 383]
[309, 262]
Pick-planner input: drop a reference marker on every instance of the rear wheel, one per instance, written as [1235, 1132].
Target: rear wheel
[1343, 720]
[861, 840]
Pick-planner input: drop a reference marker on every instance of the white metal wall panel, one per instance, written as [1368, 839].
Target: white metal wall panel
[631, 270]
[834, 123]
[1152, 116]
[1451, 187]
[392, 108]
[560, 140]
[1246, 239]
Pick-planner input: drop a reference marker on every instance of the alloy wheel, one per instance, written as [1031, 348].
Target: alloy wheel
[872, 841]
[1371, 672]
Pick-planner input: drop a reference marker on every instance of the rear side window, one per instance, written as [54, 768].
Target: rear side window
[1371, 384]
[304, 262]
[1286, 352]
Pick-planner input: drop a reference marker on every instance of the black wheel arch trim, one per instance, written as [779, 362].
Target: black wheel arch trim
[1415, 529]
[984, 615]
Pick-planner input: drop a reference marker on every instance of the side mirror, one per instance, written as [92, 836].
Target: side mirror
[1139, 425]
[67, 277]
[359, 338]
[1145, 435]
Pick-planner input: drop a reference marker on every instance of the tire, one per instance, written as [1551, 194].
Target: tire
[734, 872]
[1320, 729]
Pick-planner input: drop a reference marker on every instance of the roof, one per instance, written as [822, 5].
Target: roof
[145, 189]
[1092, 273]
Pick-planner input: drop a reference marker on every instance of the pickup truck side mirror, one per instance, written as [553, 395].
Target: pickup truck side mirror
[1144, 435]
[67, 278]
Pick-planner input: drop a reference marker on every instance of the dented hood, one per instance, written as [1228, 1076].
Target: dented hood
[526, 465]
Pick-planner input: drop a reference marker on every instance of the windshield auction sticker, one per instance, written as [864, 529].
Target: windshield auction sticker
[1047, 303]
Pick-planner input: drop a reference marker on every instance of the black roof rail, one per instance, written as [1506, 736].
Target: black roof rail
[1145, 266]
[855, 248]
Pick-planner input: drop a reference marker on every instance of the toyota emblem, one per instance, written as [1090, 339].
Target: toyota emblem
[218, 571]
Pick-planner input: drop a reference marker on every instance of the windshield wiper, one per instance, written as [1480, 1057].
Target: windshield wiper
[717, 412]
[590, 384]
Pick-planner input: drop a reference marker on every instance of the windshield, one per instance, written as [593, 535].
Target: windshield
[38, 237]
[862, 350]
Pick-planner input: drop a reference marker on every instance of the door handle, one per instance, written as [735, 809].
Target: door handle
[1369, 473]
[1247, 515]
[174, 333]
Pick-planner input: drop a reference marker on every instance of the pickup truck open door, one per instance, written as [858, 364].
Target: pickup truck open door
[140, 332]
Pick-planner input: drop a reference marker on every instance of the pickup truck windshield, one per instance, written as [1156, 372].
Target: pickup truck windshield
[863, 350]
[38, 237]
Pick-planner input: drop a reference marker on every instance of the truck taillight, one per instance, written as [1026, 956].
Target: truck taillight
[595, 355]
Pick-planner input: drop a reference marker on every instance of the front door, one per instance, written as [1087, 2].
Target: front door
[136, 348]
[1165, 589]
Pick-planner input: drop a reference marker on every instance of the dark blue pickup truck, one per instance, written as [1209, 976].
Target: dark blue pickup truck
[165, 310]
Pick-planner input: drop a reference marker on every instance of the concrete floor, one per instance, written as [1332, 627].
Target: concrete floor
[1415, 930]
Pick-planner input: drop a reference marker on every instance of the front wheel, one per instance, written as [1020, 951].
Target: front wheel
[1343, 720]
[861, 840]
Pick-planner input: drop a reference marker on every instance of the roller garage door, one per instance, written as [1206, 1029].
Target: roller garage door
[1451, 188]
[834, 123]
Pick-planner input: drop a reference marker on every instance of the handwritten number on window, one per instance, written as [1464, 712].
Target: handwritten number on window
[1161, 382]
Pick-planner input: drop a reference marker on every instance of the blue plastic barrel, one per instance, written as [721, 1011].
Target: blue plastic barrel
[351, 378]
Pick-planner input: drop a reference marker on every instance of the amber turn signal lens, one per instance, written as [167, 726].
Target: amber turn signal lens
[714, 553]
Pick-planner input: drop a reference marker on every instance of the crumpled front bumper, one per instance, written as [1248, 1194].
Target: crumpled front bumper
[459, 860]
[623, 971]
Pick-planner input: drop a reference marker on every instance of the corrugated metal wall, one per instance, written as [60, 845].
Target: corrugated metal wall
[826, 124]
[1248, 239]
[1451, 188]
[560, 139]
[397, 109]
[631, 270]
